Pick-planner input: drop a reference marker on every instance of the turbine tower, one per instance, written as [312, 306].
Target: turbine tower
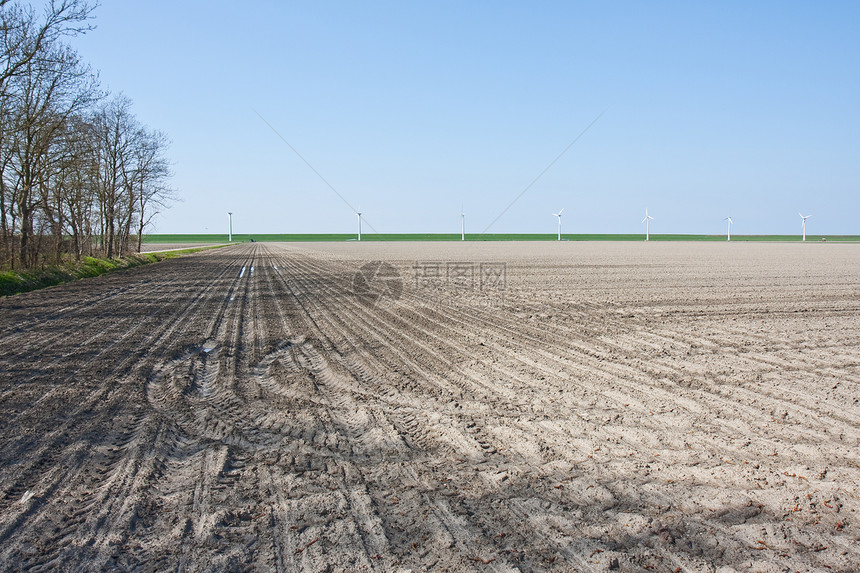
[229, 227]
[729, 233]
[804, 217]
[559, 221]
[647, 220]
[462, 225]
[358, 213]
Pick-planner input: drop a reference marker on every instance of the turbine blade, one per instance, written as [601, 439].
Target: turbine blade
[562, 211]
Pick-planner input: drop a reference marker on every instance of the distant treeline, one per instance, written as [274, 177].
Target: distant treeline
[79, 175]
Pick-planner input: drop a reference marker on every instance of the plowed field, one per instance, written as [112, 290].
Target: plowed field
[463, 407]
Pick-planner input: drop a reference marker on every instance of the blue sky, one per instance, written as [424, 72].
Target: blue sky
[410, 110]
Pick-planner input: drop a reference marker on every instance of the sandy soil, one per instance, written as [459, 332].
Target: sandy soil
[471, 407]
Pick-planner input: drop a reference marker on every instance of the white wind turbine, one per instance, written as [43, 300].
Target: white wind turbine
[647, 220]
[559, 221]
[804, 217]
[462, 224]
[358, 214]
[729, 234]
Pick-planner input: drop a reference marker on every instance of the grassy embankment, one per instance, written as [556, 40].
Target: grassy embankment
[14, 282]
[337, 237]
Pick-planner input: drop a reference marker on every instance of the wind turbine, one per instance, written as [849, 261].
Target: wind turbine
[647, 220]
[729, 234]
[229, 227]
[358, 214]
[462, 224]
[804, 217]
[559, 221]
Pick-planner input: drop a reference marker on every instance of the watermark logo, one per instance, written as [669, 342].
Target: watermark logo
[460, 275]
[469, 283]
[377, 283]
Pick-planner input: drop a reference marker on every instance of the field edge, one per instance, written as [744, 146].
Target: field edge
[14, 282]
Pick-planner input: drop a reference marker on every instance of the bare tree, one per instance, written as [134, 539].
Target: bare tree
[152, 174]
[116, 132]
[76, 182]
[55, 87]
[132, 174]
[69, 198]
[75, 168]
[36, 74]
[25, 35]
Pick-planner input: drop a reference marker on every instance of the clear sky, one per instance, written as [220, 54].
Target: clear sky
[411, 110]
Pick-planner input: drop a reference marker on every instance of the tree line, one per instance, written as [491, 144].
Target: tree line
[79, 174]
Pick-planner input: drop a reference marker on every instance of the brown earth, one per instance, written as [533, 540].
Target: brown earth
[585, 407]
